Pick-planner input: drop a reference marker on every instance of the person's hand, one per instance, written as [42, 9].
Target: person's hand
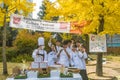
[83, 50]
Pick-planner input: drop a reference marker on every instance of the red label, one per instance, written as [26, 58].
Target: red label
[63, 25]
[16, 20]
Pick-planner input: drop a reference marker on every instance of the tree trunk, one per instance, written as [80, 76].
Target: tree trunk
[99, 70]
[87, 45]
[87, 42]
[4, 48]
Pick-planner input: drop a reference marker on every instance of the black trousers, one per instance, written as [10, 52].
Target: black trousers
[83, 74]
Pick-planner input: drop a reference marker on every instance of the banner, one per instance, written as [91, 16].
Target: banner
[97, 43]
[18, 21]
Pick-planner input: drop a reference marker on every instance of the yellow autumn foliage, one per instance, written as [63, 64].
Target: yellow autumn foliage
[65, 36]
[88, 10]
[9, 7]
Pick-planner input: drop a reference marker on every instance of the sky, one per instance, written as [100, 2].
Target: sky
[36, 8]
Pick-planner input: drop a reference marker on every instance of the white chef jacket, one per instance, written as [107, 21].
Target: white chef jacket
[58, 48]
[78, 60]
[69, 50]
[34, 54]
[51, 58]
[63, 59]
[83, 56]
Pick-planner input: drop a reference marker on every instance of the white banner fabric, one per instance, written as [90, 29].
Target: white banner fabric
[18, 21]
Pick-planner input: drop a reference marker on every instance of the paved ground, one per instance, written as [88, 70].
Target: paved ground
[111, 68]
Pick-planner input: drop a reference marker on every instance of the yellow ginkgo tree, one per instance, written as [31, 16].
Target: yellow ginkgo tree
[8, 7]
[103, 17]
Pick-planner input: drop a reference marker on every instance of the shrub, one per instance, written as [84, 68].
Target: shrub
[21, 57]
[13, 56]
[11, 52]
[26, 42]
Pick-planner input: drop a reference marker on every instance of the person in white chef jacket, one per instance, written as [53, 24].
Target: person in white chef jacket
[57, 45]
[78, 60]
[75, 59]
[64, 56]
[70, 44]
[69, 47]
[40, 52]
[52, 57]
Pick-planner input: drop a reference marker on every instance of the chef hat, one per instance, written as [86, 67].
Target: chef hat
[40, 41]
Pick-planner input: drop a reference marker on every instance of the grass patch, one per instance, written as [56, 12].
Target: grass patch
[2, 77]
[109, 58]
[113, 58]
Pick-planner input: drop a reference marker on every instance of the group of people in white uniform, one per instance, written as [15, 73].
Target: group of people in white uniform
[69, 54]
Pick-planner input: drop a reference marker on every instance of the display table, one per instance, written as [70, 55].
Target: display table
[46, 79]
[75, 77]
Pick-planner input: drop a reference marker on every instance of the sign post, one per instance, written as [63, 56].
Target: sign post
[98, 45]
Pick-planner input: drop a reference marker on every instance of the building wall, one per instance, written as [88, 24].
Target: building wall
[113, 41]
[113, 44]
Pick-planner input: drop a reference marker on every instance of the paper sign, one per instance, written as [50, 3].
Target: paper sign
[97, 43]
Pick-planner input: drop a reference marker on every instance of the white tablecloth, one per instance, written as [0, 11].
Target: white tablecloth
[46, 79]
[75, 77]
